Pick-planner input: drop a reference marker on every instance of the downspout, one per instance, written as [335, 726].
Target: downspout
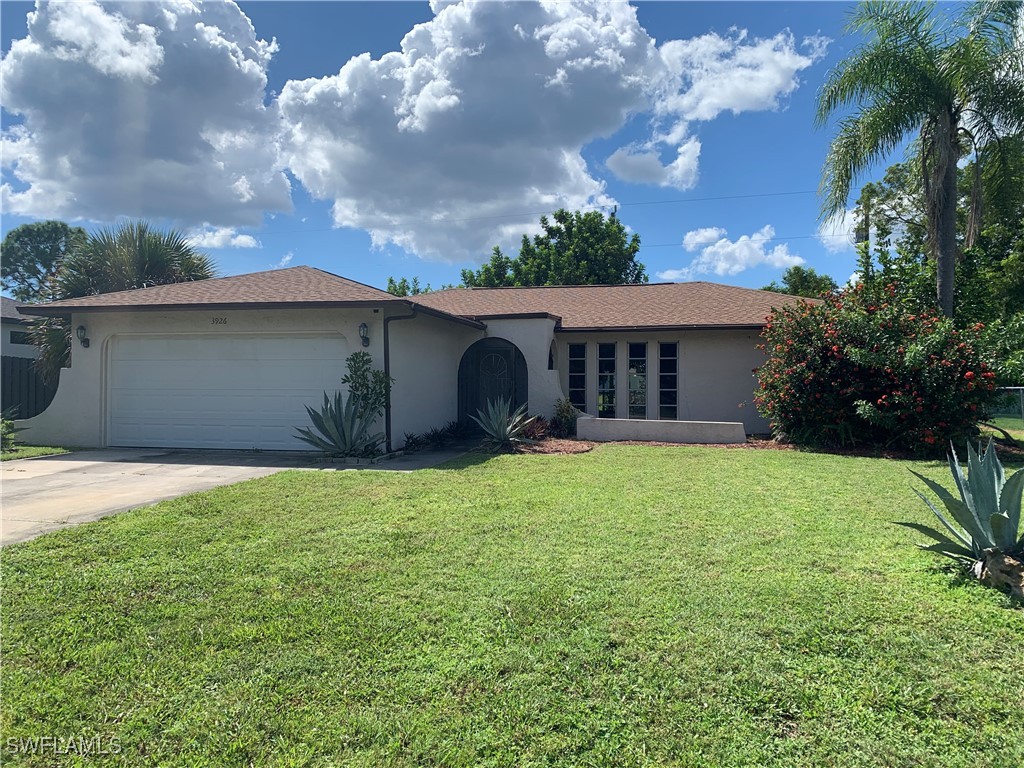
[387, 369]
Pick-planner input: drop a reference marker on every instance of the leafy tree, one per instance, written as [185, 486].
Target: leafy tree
[31, 254]
[891, 218]
[132, 255]
[406, 287]
[574, 249]
[803, 281]
[957, 83]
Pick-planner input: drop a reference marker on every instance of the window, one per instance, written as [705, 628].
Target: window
[20, 337]
[668, 380]
[638, 380]
[606, 381]
[551, 357]
[578, 375]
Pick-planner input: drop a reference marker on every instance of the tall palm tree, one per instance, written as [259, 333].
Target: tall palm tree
[132, 255]
[958, 84]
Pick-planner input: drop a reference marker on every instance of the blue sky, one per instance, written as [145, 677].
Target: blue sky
[336, 135]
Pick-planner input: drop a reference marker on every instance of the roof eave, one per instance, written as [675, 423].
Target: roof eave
[650, 328]
[65, 310]
[461, 319]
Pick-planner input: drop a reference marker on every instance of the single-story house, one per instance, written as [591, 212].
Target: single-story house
[230, 362]
[22, 392]
[14, 340]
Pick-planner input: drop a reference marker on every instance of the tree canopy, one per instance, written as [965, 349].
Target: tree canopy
[954, 83]
[30, 255]
[575, 248]
[405, 287]
[803, 281]
[132, 255]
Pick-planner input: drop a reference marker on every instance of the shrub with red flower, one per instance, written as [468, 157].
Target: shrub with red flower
[860, 369]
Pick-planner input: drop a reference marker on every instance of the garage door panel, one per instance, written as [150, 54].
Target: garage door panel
[223, 391]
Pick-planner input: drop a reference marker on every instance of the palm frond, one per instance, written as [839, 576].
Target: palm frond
[862, 140]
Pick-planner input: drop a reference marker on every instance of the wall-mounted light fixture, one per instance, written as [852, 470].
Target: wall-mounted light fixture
[364, 334]
[80, 333]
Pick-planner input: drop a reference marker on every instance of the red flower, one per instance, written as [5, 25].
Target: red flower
[969, 375]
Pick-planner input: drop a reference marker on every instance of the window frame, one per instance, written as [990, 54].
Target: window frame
[577, 394]
[663, 376]
[607, 380]
[636, 409]
[16, 336]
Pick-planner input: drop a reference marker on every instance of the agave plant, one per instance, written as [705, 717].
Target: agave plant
[343, 427]
[503, 431]
[987, 514]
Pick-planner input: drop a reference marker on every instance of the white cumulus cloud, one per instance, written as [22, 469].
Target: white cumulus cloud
[711, 74]
[141, 109]
[643, 165]
[696, 80]
[718, 255]
[446, 146]
[837, 233]
[456, 141]
[221, 237]
[284, 261]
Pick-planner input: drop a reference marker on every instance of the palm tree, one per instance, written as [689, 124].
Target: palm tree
[132, 255]
[958, 84]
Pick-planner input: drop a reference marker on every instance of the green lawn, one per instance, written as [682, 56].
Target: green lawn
[629, 606]
[28, 451]
[1011, 424]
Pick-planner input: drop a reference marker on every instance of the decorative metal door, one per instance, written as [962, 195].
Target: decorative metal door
[490, 370]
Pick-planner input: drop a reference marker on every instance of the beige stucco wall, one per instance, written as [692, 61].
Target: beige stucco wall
[533, 336]
[716, 380]
[425, 356]
[78, 414]
[606, 430]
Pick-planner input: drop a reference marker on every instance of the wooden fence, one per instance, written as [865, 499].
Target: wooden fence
[21, 388]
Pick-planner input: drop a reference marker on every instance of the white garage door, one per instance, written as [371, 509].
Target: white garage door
[219, 391]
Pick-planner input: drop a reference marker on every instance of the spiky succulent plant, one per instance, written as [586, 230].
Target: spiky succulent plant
[986, 517]
[342, 427]
[502, 430]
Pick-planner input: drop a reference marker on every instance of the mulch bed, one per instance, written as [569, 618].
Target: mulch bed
[554, 445]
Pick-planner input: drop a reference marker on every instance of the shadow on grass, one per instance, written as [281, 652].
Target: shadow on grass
[959, 576]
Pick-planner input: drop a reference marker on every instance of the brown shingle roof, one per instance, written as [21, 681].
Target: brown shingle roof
[583, 307]
[9, 310]
[302, 286]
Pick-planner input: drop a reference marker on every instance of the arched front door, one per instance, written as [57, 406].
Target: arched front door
[491, 369]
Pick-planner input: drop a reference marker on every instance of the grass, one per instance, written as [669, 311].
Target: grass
[1011, 424]
[29, 451]
[630, 606]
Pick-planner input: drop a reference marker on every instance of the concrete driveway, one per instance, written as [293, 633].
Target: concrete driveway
[44, 494]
